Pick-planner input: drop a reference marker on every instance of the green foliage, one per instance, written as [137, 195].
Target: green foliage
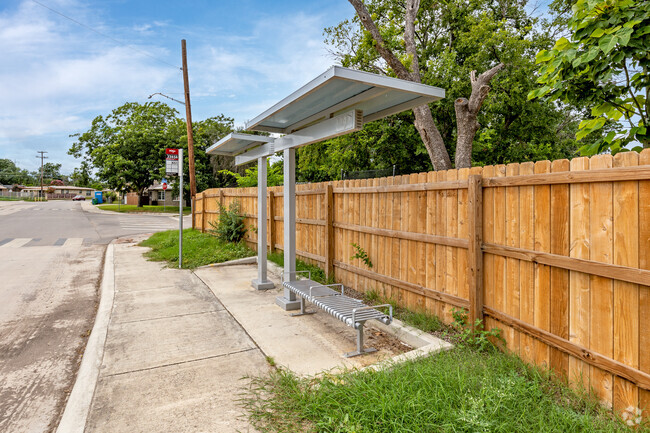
[11, 174]
[379, 145]
[128, 146]
[199, 249]
[274, 176]
[230, 227]
[603, 64]
[421, 320]
[206, 133]
[82, 176]
[361, 254]
[454, 38]
[478, 339]
[453, 391]
[317, 274]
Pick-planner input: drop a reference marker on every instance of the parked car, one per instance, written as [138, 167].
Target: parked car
[79, 198]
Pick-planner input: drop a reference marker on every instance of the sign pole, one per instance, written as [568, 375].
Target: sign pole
[180, 209]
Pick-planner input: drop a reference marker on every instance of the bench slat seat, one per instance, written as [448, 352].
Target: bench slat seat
[350, 311]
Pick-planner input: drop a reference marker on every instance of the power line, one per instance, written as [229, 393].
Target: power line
[106, 36]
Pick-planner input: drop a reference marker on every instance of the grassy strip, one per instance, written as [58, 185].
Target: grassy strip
[18, 199]
[130, 208]
[462, 390]
[198, 249]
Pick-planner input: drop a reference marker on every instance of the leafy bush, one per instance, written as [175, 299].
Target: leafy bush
[479, 339]
[230, 227]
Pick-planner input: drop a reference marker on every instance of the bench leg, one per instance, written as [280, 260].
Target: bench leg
[302, 309]
[360, 350]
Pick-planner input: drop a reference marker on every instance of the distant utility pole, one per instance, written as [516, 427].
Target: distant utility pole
[42, 152]
[188, 113]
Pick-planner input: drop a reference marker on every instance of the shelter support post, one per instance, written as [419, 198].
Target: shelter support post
[261, 283]
[288, 301]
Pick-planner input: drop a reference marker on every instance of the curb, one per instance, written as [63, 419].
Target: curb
[245, 261]
[77, 407]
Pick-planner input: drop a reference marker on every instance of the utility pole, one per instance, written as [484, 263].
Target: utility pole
[42, 152]
[190, 135]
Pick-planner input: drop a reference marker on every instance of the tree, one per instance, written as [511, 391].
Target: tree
[453, 39]
[128, 146]
[408, 68]
[274, 175]
[378, 146]
[605, 65]
[10, 173]
[82, 176]
[206, 133]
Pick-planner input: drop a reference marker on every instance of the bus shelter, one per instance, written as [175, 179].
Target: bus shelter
[337, 102]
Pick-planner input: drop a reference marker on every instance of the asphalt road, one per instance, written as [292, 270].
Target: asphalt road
[51, 258]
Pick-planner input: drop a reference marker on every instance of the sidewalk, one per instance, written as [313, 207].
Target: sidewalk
[178, 343]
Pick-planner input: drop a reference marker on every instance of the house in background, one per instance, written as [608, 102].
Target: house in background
[155, 195]
[63, 192]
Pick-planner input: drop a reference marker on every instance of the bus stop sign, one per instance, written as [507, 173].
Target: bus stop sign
[171, 163]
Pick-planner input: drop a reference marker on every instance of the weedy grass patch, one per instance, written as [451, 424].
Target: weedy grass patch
[462, 390]
[131, 208]
[198, 249]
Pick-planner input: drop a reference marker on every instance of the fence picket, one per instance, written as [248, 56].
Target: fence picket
[626, 295]
[602, 308]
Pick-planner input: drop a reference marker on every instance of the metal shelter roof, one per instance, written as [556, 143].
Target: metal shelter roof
[333, 93]
[235, 143]
[341, 89]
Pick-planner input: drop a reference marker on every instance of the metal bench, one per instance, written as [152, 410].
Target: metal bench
[350, 311]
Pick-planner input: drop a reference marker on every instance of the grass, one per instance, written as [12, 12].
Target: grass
[461, 390]
[18, 199]
[130, 208]
[317, 274]
[198, 249]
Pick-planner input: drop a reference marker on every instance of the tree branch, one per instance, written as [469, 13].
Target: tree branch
[386, 53]
[412, 7]
[627, 78]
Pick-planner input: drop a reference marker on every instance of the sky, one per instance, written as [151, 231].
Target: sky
[56, 75]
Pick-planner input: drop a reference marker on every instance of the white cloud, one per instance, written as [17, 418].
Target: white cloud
[56, 76]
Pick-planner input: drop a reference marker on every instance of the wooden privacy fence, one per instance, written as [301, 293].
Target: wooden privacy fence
[556, 254]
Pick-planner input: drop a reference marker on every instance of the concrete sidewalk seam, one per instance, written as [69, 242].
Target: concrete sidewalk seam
[80, 399]
[189, 361]
[166, 317]
[232, 315]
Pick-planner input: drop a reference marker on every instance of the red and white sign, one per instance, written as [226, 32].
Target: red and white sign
[164, 186]
[171, 163]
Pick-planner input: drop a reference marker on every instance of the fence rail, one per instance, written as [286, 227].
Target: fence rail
[556, 254]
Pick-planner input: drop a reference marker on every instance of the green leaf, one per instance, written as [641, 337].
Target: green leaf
[589, 55]
[610, 136]
[544, 56]
[607, 43]
[623, 36]
[577, 62]
[631, 24]
[561, 44]
[597, 33]
[590, 149]
[643, 30]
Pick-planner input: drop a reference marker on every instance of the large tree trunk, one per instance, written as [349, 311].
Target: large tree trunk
[424, 123]
[141, 197]
[431, 138]
[467, 112]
